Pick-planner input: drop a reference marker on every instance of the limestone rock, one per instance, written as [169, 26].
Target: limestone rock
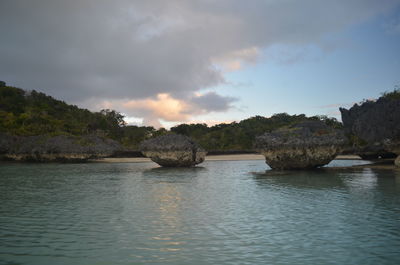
[397, 161]
[173, 150]
[374, 126]
[306, 145]
[64, 148]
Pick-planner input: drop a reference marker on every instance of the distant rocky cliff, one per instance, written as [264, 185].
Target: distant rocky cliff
[374, 126]
[57, 148]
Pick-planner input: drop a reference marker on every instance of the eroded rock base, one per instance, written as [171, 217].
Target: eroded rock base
[50, 157]
[176, 158]
[299, 158]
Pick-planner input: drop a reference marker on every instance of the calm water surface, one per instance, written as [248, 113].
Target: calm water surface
[225, 212]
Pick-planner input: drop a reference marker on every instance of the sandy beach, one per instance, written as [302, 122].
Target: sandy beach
[208, 158]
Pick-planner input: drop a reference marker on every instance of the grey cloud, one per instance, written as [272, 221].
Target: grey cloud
[77, 50]
[211, 101]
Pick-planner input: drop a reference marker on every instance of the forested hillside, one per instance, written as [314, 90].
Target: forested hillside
[28, 113]
[34, 113]
[239, 136]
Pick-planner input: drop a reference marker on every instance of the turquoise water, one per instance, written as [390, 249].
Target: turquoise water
[225, 212]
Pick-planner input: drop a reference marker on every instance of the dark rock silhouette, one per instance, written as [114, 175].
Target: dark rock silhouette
[374, 126]
[305, 145]
[173, 150]
[382, 154]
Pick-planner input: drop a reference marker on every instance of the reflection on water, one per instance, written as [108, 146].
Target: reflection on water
[169, 200]
[226, 212]
[316, 179]
[172, 175]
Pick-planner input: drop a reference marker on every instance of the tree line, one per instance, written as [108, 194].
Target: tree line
[27, 113]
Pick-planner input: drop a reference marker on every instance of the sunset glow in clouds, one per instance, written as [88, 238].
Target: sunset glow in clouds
[169, 109]
[166, 62]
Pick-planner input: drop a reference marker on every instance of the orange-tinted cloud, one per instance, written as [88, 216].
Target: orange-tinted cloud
[165, 107]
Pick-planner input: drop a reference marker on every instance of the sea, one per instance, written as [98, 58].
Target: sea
[221, 212]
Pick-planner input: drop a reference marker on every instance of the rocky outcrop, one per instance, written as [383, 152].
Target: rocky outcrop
[374, 126]
[173, 150]
[397, 161]
[57, 148]
[394, 147]
[302, 146]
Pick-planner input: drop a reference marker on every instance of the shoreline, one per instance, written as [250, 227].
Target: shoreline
[385, 164]
[233, 157]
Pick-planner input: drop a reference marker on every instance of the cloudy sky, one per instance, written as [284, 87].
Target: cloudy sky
[166, 62]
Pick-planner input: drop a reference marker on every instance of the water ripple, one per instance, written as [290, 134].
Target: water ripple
[222, 213]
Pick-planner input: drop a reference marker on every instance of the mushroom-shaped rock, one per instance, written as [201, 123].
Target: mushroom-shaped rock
[393, 146]
[305, 145]
[397, 161]
[173, 150]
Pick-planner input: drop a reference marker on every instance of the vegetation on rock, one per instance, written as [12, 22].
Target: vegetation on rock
[241, 135]
[395, 94]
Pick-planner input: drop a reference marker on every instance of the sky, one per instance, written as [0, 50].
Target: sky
[163, 63]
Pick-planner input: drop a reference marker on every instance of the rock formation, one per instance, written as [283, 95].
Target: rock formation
[397, 161]
[57, 148]
[374, 126]
[393, 146]
[305, 145]
[173, 150]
